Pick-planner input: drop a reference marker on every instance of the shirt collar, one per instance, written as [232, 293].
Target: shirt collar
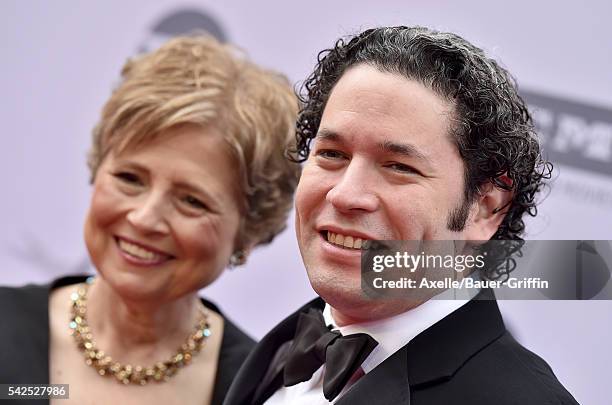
[395, 332]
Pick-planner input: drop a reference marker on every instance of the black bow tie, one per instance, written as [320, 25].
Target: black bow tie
[314, 344]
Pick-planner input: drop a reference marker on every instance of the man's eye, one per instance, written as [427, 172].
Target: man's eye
[402, 168]
[194, 203]
[330, 154]
[129, 178]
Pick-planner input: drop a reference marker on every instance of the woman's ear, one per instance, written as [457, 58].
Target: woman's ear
[491, 206]
[242, 250]
[238, 258]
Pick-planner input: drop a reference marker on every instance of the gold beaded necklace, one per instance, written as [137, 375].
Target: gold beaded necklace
[128, 374]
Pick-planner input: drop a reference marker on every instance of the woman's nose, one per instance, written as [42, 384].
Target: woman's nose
[148, 215]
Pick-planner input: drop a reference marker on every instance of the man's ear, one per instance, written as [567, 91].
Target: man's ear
[489, 210]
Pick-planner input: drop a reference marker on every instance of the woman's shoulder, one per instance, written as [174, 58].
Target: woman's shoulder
[31, 298]
[235, 348]
[25, 335]
[26, 308]
[20, 303]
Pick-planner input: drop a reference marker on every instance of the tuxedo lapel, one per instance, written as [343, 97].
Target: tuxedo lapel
[432, 357]
[273, 379]
[259, 371]
[439, 352]
[386, 384]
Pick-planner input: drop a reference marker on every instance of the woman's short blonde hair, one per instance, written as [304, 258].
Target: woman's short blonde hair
[197, 80]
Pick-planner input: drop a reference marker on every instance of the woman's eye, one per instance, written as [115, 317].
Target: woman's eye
[129, 178]
[194, 203]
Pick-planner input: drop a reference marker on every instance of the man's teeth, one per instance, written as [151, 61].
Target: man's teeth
[345, 240]
[138, 252]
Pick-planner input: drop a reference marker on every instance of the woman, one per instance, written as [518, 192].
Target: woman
[189, 175]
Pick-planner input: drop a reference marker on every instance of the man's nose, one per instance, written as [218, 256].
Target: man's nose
[148, 215]
[355, 189]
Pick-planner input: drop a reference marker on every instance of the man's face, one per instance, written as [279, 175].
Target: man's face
[383, 167]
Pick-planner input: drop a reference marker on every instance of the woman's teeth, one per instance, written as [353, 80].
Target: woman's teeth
[139, 252]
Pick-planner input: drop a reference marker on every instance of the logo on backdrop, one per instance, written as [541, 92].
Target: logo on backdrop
[180, 22]
[576, 135]
[573, 134]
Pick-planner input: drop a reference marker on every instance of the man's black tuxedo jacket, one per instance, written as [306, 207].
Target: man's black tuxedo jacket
[466, 358]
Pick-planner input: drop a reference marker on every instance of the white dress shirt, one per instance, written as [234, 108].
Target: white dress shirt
[391, 333]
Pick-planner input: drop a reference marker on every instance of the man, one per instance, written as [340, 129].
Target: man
[409, 134]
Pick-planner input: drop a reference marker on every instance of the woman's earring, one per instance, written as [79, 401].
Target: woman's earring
[238, 258]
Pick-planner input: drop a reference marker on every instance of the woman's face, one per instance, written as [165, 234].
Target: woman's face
[164, 216]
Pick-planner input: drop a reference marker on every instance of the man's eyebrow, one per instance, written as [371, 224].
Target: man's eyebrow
[327, 135]
[404, 149]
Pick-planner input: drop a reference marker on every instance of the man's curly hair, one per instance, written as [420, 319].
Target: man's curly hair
[492, 127]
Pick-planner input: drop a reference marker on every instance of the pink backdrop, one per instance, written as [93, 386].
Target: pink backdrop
[61, 59]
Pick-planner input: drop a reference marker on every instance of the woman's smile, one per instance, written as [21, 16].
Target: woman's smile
[139, 254]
